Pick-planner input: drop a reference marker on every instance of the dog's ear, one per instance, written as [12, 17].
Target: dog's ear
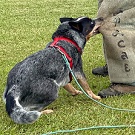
[65, 19]
[76, 25]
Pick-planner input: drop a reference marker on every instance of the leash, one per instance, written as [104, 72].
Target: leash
[106, 106]
[118, 109]
[90, 128]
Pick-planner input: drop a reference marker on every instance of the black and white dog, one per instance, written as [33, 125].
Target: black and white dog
[33, 83]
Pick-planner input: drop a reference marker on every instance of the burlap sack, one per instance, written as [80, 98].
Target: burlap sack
[118, 32]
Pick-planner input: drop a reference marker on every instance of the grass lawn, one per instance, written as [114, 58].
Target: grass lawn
[26, 26]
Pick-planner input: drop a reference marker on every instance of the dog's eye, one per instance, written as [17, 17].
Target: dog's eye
[92, 23]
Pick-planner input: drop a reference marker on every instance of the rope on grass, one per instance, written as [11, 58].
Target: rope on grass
[106, 106]
[118, 109]
[88, 128]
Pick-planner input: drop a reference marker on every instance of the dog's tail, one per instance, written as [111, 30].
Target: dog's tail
[17, 113]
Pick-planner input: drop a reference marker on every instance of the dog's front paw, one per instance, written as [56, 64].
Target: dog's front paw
[91, 94]
[77, 92]
[96, 97]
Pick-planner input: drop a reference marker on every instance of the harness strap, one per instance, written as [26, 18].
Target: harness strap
[63, 51]
[56, 39]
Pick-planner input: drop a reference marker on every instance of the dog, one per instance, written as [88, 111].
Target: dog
[33, 83]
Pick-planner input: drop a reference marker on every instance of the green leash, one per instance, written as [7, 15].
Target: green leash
[118, 109]
[93, 127]
[106, 106]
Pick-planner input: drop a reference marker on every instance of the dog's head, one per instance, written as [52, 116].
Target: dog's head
[87, 26]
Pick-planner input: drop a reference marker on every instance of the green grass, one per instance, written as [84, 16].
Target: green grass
[26, 26]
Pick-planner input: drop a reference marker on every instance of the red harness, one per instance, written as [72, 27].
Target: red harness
[63, 51]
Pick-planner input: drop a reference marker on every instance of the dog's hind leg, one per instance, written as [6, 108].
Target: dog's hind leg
[46, 111]
[69, 87]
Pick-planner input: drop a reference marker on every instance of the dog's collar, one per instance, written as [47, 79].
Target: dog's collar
[56, 39]
[63, 51]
